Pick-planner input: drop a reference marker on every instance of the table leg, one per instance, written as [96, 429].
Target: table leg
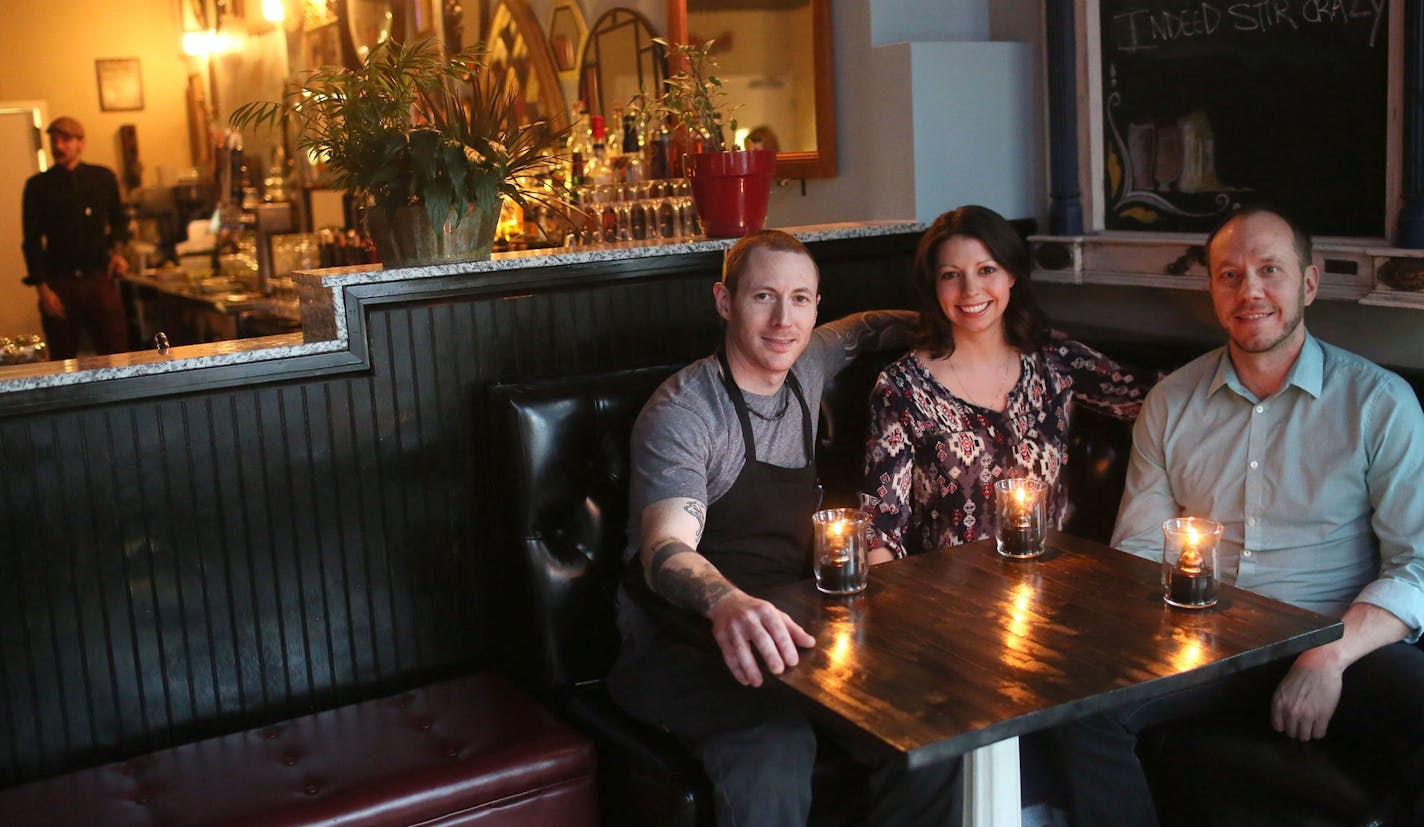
[991, 786]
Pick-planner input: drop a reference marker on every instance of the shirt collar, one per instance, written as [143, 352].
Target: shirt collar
[1308, 372]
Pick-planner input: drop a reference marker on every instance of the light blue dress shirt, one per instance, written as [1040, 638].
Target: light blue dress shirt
[1320, 486]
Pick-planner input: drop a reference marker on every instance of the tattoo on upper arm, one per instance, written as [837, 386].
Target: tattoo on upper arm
[698, 512]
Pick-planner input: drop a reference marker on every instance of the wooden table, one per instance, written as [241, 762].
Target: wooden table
[953, 651]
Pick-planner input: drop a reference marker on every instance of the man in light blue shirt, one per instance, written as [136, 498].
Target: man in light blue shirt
[1313, 460]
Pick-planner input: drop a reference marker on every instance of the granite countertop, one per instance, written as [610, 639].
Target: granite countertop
[232, 298]
[324, 313]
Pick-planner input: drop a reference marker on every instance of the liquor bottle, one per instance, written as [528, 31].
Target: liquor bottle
[596, 169]
[658, 148]
[579, 146]
[633, 171]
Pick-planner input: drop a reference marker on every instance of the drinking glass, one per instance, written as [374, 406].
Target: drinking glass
[840, 563]
[1021, 506]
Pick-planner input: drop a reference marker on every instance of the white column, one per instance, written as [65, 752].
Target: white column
[991, 786]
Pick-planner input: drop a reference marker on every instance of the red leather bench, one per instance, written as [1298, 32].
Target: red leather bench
[471, 751]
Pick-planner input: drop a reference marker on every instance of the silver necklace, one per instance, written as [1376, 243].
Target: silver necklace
[1004, 381]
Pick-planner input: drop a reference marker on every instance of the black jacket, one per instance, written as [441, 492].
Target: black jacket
[71, 221]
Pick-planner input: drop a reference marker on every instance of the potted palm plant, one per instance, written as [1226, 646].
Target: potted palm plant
[730, 186]
[430, 140]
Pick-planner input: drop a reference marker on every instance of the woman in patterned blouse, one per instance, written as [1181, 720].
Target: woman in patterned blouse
[984, 394]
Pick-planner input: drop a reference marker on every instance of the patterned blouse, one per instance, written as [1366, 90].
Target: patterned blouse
[932, 458]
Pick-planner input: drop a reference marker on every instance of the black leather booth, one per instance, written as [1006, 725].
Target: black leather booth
[567, 450]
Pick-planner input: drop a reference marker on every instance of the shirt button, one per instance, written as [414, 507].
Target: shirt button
[1250, 521]
[1254, 463]
[1260, 409]
[1246, 553]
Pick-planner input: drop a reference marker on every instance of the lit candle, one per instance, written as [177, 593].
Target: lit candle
[1021, 510]
[1020, 517]
[1189, 584]
[839, 561]
[836, 540]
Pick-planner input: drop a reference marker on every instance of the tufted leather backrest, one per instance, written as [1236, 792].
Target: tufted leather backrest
[567, 463]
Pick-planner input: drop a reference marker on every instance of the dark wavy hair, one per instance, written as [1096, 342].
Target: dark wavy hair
[1025, 326]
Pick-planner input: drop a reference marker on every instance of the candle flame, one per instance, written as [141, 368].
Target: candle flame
[837, 528]
[1021, 494]
[1191, 559]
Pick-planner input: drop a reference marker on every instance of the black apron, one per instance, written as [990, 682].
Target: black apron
[759, 533]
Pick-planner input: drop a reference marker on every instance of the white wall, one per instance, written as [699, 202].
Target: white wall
[891, 163]
[49, 55]
[899, 21]
[870, 165]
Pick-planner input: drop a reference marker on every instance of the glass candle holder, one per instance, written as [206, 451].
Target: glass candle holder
[842, 538]
[1189, 579]
[1021, 506]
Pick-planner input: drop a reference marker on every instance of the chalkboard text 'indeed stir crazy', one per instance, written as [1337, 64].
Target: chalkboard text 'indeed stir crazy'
[1137, 30]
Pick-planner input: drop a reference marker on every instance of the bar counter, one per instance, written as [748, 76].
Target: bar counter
[327, 309]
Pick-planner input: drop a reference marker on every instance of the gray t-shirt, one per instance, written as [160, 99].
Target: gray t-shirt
[687, 441]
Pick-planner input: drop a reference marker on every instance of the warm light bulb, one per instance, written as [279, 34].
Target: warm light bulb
[209, 42]
[273, 11]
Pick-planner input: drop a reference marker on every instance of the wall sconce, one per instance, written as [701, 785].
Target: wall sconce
[210, 42]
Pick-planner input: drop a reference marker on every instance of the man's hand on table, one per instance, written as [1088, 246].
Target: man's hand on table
[747, 627]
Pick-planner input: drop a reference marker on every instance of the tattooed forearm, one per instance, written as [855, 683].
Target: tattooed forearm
[889, 329]
[875, 330]
[690, 589]
[698, 512]
[684, 584]
[662, 553]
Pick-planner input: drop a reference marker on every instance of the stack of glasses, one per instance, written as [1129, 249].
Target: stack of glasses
[645, 211]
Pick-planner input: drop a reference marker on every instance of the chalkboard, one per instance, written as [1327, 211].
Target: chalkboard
[1209, 104]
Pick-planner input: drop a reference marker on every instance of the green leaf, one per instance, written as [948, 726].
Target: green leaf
[456, 166]
[424, 153]
[438, 199]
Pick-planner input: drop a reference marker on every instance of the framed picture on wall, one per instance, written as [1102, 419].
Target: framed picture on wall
[120, 84]
[323, 45]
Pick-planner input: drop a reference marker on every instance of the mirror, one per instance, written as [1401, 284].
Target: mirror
[517, 50]
[620, 60]
[369, 23]
[777, 59]
[566, 33]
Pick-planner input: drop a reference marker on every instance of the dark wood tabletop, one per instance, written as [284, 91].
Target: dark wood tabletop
[950, 651]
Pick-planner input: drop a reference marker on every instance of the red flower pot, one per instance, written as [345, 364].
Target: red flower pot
[731, 190]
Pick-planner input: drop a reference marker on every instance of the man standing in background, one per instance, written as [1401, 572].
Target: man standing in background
[74, 232]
